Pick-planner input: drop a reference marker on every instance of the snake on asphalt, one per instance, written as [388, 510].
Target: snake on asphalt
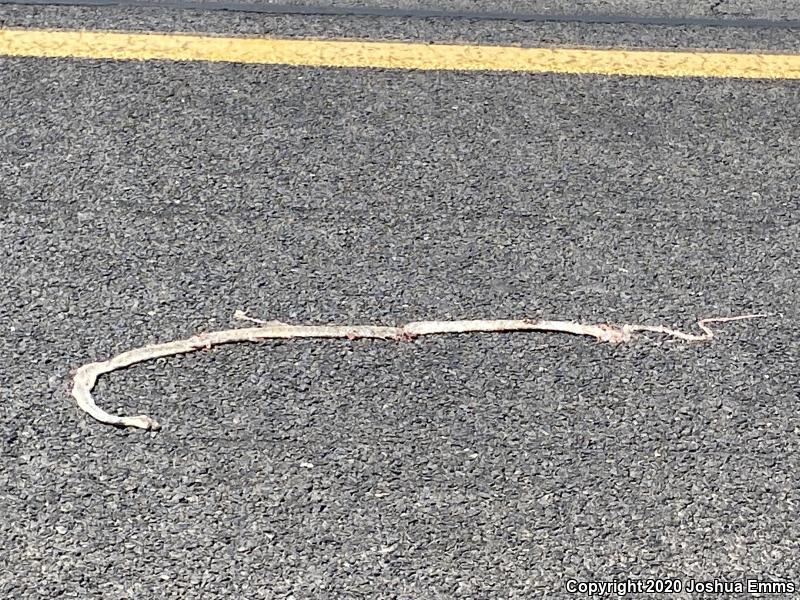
[85, 377]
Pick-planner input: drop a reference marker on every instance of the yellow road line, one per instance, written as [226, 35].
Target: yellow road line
[393, 55]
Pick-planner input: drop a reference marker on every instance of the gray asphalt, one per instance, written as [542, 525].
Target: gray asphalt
[675, 9]
[769, 9]
[436, 30]
[147, 201]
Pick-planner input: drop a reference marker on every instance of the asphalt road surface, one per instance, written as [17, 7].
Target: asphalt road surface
[147, 201]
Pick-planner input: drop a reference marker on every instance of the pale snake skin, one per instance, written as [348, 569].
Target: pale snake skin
[86, 376]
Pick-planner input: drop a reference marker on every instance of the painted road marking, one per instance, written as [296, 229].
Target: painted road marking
[393, 55]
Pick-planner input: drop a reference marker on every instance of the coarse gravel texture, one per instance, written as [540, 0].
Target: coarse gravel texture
[765, 9]
[464, 31]
[669, 9]
[147, 201]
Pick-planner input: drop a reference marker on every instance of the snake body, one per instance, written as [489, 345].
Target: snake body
[86, 376]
